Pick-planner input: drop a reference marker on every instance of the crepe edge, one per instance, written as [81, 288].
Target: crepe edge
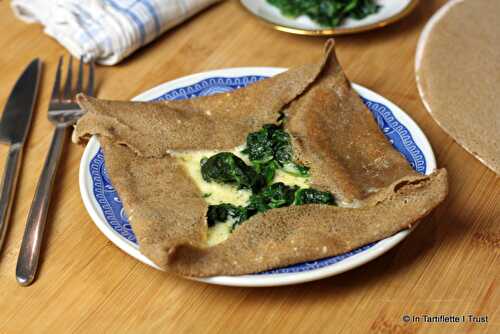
[91, 106]
[191, 261]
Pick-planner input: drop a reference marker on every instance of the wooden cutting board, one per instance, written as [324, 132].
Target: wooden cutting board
[448, 266]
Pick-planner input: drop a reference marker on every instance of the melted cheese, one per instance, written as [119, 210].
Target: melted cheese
[291, 180]
[216, 193]
[219, 232]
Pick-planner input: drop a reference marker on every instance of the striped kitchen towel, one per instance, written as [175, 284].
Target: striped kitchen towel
[106, 30]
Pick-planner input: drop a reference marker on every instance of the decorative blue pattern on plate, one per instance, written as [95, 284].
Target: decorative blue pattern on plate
[110, 203]
[108, 199]
[209, 86]
[398, 134]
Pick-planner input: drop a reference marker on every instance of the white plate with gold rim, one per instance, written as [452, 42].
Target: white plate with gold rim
[106, 210]
[390, 11]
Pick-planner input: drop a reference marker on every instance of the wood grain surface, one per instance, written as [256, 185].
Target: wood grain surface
[448, 266]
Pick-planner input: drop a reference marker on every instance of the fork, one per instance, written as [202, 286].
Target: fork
[63, 113]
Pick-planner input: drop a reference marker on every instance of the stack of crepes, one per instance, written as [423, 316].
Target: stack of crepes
[333, 133]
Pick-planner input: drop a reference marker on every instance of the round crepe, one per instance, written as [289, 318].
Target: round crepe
[458, 75]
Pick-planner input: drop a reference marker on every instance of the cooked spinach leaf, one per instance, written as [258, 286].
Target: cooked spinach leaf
[274, 196]
[221, 212]
[267, 171]
[282, 146]
[296, 169]
[328, 13]
[270, 149]
[259, 145]
[225, 167]
[313, 196]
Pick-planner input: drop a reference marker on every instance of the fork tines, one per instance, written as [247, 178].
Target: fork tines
[69, 92]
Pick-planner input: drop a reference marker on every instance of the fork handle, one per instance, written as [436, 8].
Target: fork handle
[8, 187]
[27, 262]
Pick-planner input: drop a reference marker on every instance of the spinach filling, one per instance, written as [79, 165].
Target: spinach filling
[328, 13]
[268, 150]
[225, 167]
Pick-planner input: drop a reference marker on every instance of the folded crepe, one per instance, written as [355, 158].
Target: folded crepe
[332, 132]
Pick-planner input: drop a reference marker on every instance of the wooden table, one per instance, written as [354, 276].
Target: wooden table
[449, 265]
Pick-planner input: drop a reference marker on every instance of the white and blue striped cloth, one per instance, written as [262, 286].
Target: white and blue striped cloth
[106, 30]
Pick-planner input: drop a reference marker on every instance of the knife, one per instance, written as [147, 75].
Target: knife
[14, 126]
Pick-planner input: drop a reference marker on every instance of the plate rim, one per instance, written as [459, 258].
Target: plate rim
[276, 279]
[334, 31]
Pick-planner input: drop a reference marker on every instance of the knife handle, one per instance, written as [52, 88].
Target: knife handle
[27, 262]
[8, 187]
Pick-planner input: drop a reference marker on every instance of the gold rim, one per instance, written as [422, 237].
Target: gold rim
[337, 31]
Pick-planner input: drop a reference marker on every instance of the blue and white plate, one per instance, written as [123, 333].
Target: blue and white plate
[106, 210]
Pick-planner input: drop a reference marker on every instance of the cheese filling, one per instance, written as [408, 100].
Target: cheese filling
[219, 232]
[213, 192]
[290, 179]
[217, 193]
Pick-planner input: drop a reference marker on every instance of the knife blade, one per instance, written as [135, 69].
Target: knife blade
[16, 118]
[14, 126]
